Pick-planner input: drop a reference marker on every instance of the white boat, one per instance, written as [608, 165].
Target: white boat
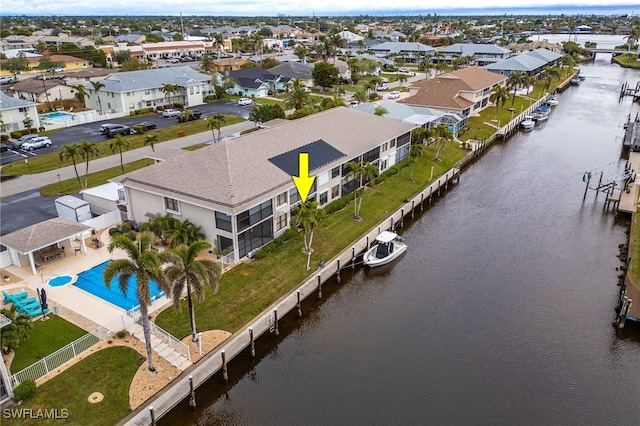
[540, 116]
[389, 246]
[552, 101]
[528, 123]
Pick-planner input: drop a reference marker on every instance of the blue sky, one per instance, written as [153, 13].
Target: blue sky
[308, 7]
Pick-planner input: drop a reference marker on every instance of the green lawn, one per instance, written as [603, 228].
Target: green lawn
[45, 338]
[109, 371]
[249, 288]
[51, 161]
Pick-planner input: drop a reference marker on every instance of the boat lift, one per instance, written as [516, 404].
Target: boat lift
[607, 181]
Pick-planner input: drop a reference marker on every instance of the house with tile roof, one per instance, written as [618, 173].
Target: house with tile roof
[134, 90]
[241, 191]
[530, 63]
[480, 54]
[13, 113]
[462, 92]
[410, 51]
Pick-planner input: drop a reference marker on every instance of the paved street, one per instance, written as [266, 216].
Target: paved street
[22, 205]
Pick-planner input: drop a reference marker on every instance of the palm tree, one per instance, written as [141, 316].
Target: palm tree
[161, 226]
[218, 43]
[632, 38]
[215, 122]
[97, 85]
[118, 145]
[87, 151]
[549, 74]
[151, 140]
[185, 271]
[415, 151]
[402, 79]
[441, 133]
[256, 42]
[515, 81]
[360, 96]
[144, 265]
[361, 173]
[307, 215]
[168, 90]
[380, 111]
[185, 232]
[71, 152]
[205, 63]
[17, 331]
[81, 94]
[498, 96]
[296, 98]
[301, 52]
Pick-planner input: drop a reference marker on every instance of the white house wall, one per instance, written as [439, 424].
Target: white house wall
[13, 118]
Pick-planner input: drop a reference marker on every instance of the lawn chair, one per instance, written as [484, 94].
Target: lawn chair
[35, 311]
[13, 297]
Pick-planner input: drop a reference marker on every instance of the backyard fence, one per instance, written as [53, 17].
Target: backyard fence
[63, 355]
[51, 362]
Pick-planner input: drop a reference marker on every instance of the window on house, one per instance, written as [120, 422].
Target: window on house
[223, 221]
[254, 215]
[294, 197]
[171, 204]
[281, 222]
[335, 172]
[281, 199]
[335, 192]
[324, 198]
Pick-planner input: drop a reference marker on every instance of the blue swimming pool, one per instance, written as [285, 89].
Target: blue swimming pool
[60, 280]
[91, 282]
[58, 116]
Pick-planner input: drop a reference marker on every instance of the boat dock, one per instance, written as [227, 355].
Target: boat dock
[626, 90]
[631, 139]
[267, 322]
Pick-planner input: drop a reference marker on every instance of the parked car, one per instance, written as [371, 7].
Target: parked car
[354, 104]
[244, 101]
[171, 112]
[56, 70]
[195, 114]
[384, 80]
[404, 70]
[35, 143]
[382, 87]
[148, 125]
[111, 130]
[6, 80]
[17, 144]
[393, 95]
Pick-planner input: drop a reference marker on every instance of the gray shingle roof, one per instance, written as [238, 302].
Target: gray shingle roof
[42, 234]
[293, 70]
[406, 113]
[472, 49]
[544, 54]
[517, 63]
[397, 46]
[238, 173]
[148, 79]
[7, 102]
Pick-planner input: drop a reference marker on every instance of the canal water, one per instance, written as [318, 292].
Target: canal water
[499, 314]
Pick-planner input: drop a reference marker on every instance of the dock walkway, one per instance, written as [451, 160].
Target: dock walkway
[209, 365]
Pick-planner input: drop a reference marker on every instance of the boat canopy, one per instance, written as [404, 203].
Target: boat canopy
[386, 237]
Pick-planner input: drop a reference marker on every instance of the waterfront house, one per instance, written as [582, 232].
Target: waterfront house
[480, 54]
[530, 63]
[460, 92]
[135, 90]
[408, 51]
[241, 191]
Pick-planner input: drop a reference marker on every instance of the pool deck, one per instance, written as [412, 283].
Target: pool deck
[94, 309]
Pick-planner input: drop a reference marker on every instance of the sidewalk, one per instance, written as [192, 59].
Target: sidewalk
[30, 182]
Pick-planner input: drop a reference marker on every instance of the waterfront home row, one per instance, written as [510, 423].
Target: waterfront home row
[241, 191]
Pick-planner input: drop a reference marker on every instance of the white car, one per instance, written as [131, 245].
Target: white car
[35, 143]
[393, 95]
[353, 104]
[384, 80]
[4, 80]
[244, 101]
[382, 87]
[170, 113]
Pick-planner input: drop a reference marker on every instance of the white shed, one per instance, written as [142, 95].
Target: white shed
[73, 208]
[102, 199]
